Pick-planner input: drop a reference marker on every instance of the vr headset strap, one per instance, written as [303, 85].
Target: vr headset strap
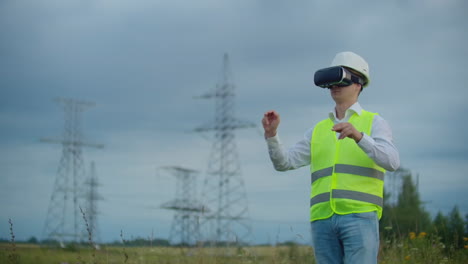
[356, 79]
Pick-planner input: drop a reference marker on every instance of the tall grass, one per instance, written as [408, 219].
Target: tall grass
[90, 238]
[109, 255]
[420, 249]
[13, 256]
[414, 248]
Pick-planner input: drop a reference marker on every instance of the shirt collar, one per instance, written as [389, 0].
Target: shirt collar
[355, 108]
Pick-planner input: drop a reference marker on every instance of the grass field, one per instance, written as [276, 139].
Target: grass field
[417, 249]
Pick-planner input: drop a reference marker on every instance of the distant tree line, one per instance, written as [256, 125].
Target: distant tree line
[408, 217]
[137, 242]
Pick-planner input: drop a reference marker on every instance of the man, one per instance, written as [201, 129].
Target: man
[348, 153]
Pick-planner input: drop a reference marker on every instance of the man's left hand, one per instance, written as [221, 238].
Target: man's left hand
[347, 130]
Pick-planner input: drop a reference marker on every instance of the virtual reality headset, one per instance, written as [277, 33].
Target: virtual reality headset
[336, 76]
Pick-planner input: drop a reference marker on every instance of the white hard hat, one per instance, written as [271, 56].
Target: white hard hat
[352, 60]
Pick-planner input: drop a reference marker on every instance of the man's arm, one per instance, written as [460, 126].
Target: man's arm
[283, 160]
[379, 145]
[295, 157]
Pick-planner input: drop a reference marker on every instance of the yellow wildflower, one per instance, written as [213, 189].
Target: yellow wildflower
[412, 235]
[466, 246]
[465, 238]
[422, 234]
[407, 257]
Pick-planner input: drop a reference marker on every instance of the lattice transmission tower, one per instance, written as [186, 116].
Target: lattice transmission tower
[185, 225]
[92, 197]
[227, 219]
[64, 222]
[394, 184]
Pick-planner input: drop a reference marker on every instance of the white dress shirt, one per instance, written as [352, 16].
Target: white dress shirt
[378, 145]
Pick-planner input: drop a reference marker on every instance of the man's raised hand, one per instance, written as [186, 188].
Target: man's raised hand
[270, 122]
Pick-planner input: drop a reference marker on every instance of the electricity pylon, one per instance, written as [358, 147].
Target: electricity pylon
[394, 184]
[227, 220]
[185, 225]
[92, 196]
[64, 220]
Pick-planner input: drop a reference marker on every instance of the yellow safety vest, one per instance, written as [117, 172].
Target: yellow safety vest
[344, 179]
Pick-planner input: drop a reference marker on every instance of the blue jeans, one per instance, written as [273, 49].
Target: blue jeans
[346, 239]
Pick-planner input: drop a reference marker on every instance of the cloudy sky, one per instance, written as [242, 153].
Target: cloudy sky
[142, 62]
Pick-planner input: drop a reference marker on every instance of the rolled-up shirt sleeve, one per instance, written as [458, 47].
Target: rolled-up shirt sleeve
[379, 145]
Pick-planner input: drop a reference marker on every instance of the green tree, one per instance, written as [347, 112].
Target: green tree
[440, 227]
[32, 240]
[408, 214]
[388, 214]
[456, 228]
[466, 225]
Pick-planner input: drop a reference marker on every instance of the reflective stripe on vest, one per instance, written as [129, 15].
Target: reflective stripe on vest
[354, 195]
[349, 169]
[344, 179]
